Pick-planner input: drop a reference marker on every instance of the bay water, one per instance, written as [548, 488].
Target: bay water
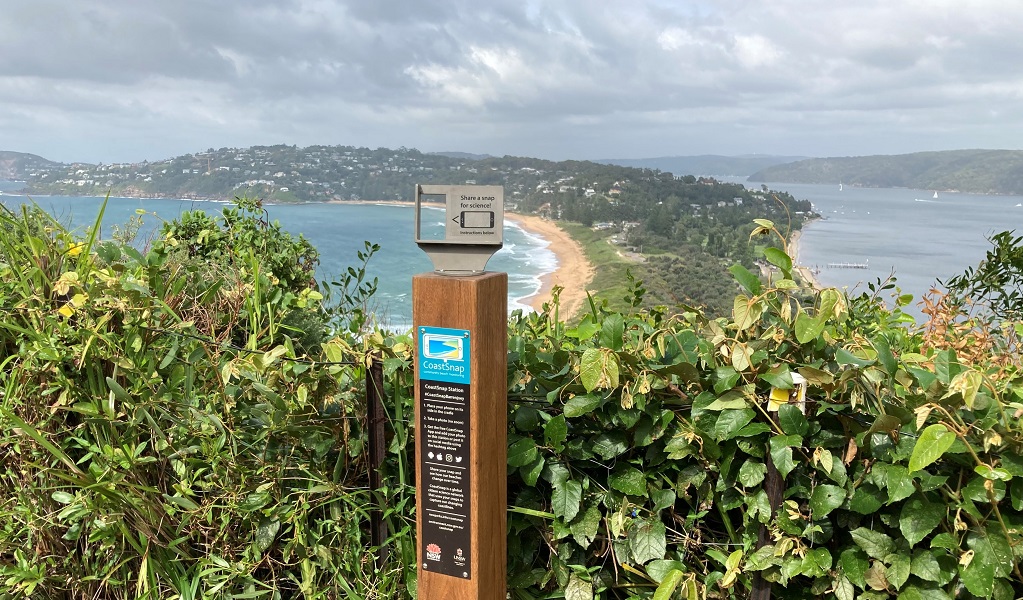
[339, 232]
[919, 236]
[907, 233]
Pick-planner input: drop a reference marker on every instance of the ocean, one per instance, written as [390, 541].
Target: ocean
[910, 233]
[338, 231]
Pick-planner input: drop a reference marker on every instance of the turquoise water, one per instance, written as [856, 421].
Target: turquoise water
[338, 231]
[919, 238]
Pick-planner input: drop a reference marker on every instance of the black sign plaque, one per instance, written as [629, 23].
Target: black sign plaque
[445, 475]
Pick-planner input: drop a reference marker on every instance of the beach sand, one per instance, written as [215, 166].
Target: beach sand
[805, 273]
[574, 271]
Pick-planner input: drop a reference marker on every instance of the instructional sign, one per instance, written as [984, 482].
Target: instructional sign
[475, 214]
[445, 474]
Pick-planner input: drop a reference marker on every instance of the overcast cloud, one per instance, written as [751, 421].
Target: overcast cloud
[116, 80]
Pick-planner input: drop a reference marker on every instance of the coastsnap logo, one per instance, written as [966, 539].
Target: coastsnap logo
[433, 552]
[442, 347]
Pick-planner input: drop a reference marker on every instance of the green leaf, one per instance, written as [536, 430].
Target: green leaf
[826, 498]
[779, 259]
[866, 499]
[991, 547]
[817, 562]
[746, 279]
[666, 589]
[854, 565]
[925, 566]
[730, 422]
[730, 400]
[522, 452]
[978, 576]
[610, 445]
[898, 570]
[751, 473]
[844, 589]
[913, 592]
[63, 497]
[781, 453]
[874, 543]
[792, 420]
[628, 480]
[612, 332]
[844, 357]
[254, 501]
[555, 431]
[585, 528]
[807, 328]
[577, 589]
[585, 330]
[931, 444]
[266, 532]
[746, 312]
[578, 406]
[566, 498]
[659, 569]
[918, 519]
[531, 473]
[647, 540]
[598, 369]
[181, 502]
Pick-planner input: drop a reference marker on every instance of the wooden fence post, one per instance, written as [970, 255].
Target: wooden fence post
[376, 421]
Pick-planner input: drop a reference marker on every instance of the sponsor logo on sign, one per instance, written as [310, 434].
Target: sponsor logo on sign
[433, 552]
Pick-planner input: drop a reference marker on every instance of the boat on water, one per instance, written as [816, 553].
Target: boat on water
[935, 196]
[840, 186]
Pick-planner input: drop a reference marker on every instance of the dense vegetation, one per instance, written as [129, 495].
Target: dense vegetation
[976, 171]
[188, 423]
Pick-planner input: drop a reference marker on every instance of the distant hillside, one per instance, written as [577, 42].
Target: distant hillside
[461, 155]
[706, 164]
[974, 171]
[18, 165]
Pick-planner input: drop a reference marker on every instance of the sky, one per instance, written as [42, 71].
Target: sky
[116, 80]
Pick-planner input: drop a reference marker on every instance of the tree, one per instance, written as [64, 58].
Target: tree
[997, 282]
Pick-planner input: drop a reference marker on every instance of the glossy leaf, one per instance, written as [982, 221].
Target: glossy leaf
[826, 498]
[934, 441]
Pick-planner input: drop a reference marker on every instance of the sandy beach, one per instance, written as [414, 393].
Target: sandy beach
[805, 273]
[574, 272]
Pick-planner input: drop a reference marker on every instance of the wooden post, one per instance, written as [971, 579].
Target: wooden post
[376, 421]
[461, 327]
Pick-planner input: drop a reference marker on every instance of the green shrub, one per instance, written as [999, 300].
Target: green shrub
[153, 450]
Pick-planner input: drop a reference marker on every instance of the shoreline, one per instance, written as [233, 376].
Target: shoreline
[573, 271]
[805, 273]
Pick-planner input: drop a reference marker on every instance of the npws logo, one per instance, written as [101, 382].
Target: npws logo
[432, 552]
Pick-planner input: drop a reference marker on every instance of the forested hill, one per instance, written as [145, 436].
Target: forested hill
[647, 212]
[17, 165]
[704, 164]
[974, 171]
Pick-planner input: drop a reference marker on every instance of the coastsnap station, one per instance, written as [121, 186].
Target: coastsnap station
[460, 314]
